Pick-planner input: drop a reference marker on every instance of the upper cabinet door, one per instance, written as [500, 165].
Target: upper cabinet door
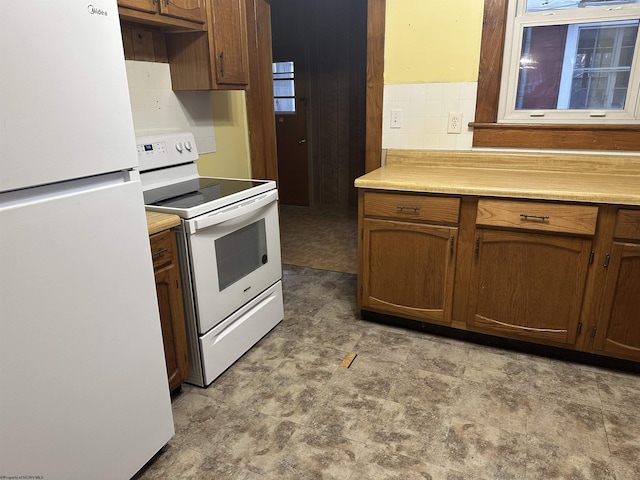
[187, 14]
[230, 42]
[150, 6]
[193, 10]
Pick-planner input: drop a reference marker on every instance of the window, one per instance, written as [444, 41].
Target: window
[571, 61]
[491, 129]
[284, 87]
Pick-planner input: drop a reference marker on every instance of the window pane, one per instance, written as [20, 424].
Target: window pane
[541, 67]
[539, 5]
[283, 88]
[583, 66]
[284, 105]
[283, 67]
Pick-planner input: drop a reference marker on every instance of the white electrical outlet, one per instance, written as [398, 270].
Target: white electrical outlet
[396, 118]
[455, 123]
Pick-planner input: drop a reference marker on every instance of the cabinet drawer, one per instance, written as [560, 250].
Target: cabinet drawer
[628, 225]
[541, 216]
[412, 207]
[162, 248]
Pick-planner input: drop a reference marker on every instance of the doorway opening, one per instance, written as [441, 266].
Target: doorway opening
[321, 142]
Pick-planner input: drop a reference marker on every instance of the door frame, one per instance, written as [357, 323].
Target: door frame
[259, 94]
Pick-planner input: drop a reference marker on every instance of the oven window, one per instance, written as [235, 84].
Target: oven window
[241, 252]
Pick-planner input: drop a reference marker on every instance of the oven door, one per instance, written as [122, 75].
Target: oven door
[234, 256]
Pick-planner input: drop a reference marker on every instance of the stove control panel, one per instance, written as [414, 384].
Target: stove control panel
[158, 151]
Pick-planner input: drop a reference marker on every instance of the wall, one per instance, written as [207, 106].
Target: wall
[216, 119]
[432, 52]
[232, 158]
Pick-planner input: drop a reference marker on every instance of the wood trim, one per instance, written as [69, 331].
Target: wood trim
[259, 93]
[491, 49]
[375, 83]
[488, 133]
[570, 137]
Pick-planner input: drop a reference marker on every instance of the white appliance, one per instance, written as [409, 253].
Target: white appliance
[229, 244]
[83, 383]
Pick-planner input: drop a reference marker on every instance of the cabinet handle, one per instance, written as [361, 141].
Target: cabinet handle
[607, 259]
[221, 56]
[166, 2]
[402, 208]
[160, 252]
[527, 216]
[477, 249]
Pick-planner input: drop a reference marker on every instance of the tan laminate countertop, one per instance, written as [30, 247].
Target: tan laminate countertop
[157, 222]
[577, 178]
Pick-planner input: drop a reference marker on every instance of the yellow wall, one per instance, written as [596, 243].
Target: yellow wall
[432, 41]
[232, 158]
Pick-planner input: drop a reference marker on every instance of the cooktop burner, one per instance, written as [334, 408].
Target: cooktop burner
[197, 191]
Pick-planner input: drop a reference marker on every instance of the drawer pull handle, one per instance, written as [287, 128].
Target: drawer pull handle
[402, 208]
[160, 252]
[527, 216]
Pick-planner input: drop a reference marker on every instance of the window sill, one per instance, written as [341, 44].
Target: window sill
[557, 136]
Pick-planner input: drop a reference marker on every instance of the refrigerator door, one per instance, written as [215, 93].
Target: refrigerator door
[64, 100]
[84, 384]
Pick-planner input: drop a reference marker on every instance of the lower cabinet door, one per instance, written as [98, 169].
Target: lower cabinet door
[170, 305]
[618, 330]
[408, 269]
[528, 286]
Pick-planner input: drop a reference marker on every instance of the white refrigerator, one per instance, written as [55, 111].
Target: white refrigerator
[83, 382]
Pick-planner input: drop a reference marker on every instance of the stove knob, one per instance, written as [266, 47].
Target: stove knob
[179, 147]
[187, 145]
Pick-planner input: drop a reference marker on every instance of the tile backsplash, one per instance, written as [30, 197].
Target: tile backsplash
[424, 110]
[157, 108]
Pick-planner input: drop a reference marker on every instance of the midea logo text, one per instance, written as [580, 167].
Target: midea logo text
[96, 11]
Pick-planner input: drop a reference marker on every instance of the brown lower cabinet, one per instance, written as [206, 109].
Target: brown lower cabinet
[416, 281]
[618, 329]
[170, 304]
[545, 272]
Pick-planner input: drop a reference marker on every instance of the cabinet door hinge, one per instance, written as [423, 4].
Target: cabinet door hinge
[362, 234]
[607, 259]
[451, 242]
[593, 331]
[477, 249]
[591, 257]
[579, 327]
[361, 290]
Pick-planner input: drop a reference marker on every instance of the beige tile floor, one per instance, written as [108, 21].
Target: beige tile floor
[322, 237]
[411, 405]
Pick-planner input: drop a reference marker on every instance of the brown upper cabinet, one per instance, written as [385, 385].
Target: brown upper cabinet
[182, 14]
[217, 59]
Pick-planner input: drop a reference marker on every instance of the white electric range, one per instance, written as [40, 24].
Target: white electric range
[229, 249]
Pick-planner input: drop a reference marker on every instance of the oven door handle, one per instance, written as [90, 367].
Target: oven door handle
[233, 212]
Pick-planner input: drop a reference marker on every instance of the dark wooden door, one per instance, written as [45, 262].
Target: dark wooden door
[291, 126]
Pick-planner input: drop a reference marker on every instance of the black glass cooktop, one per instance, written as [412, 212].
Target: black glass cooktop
[197, 191]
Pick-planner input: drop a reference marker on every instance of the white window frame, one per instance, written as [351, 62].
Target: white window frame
[518, 20]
